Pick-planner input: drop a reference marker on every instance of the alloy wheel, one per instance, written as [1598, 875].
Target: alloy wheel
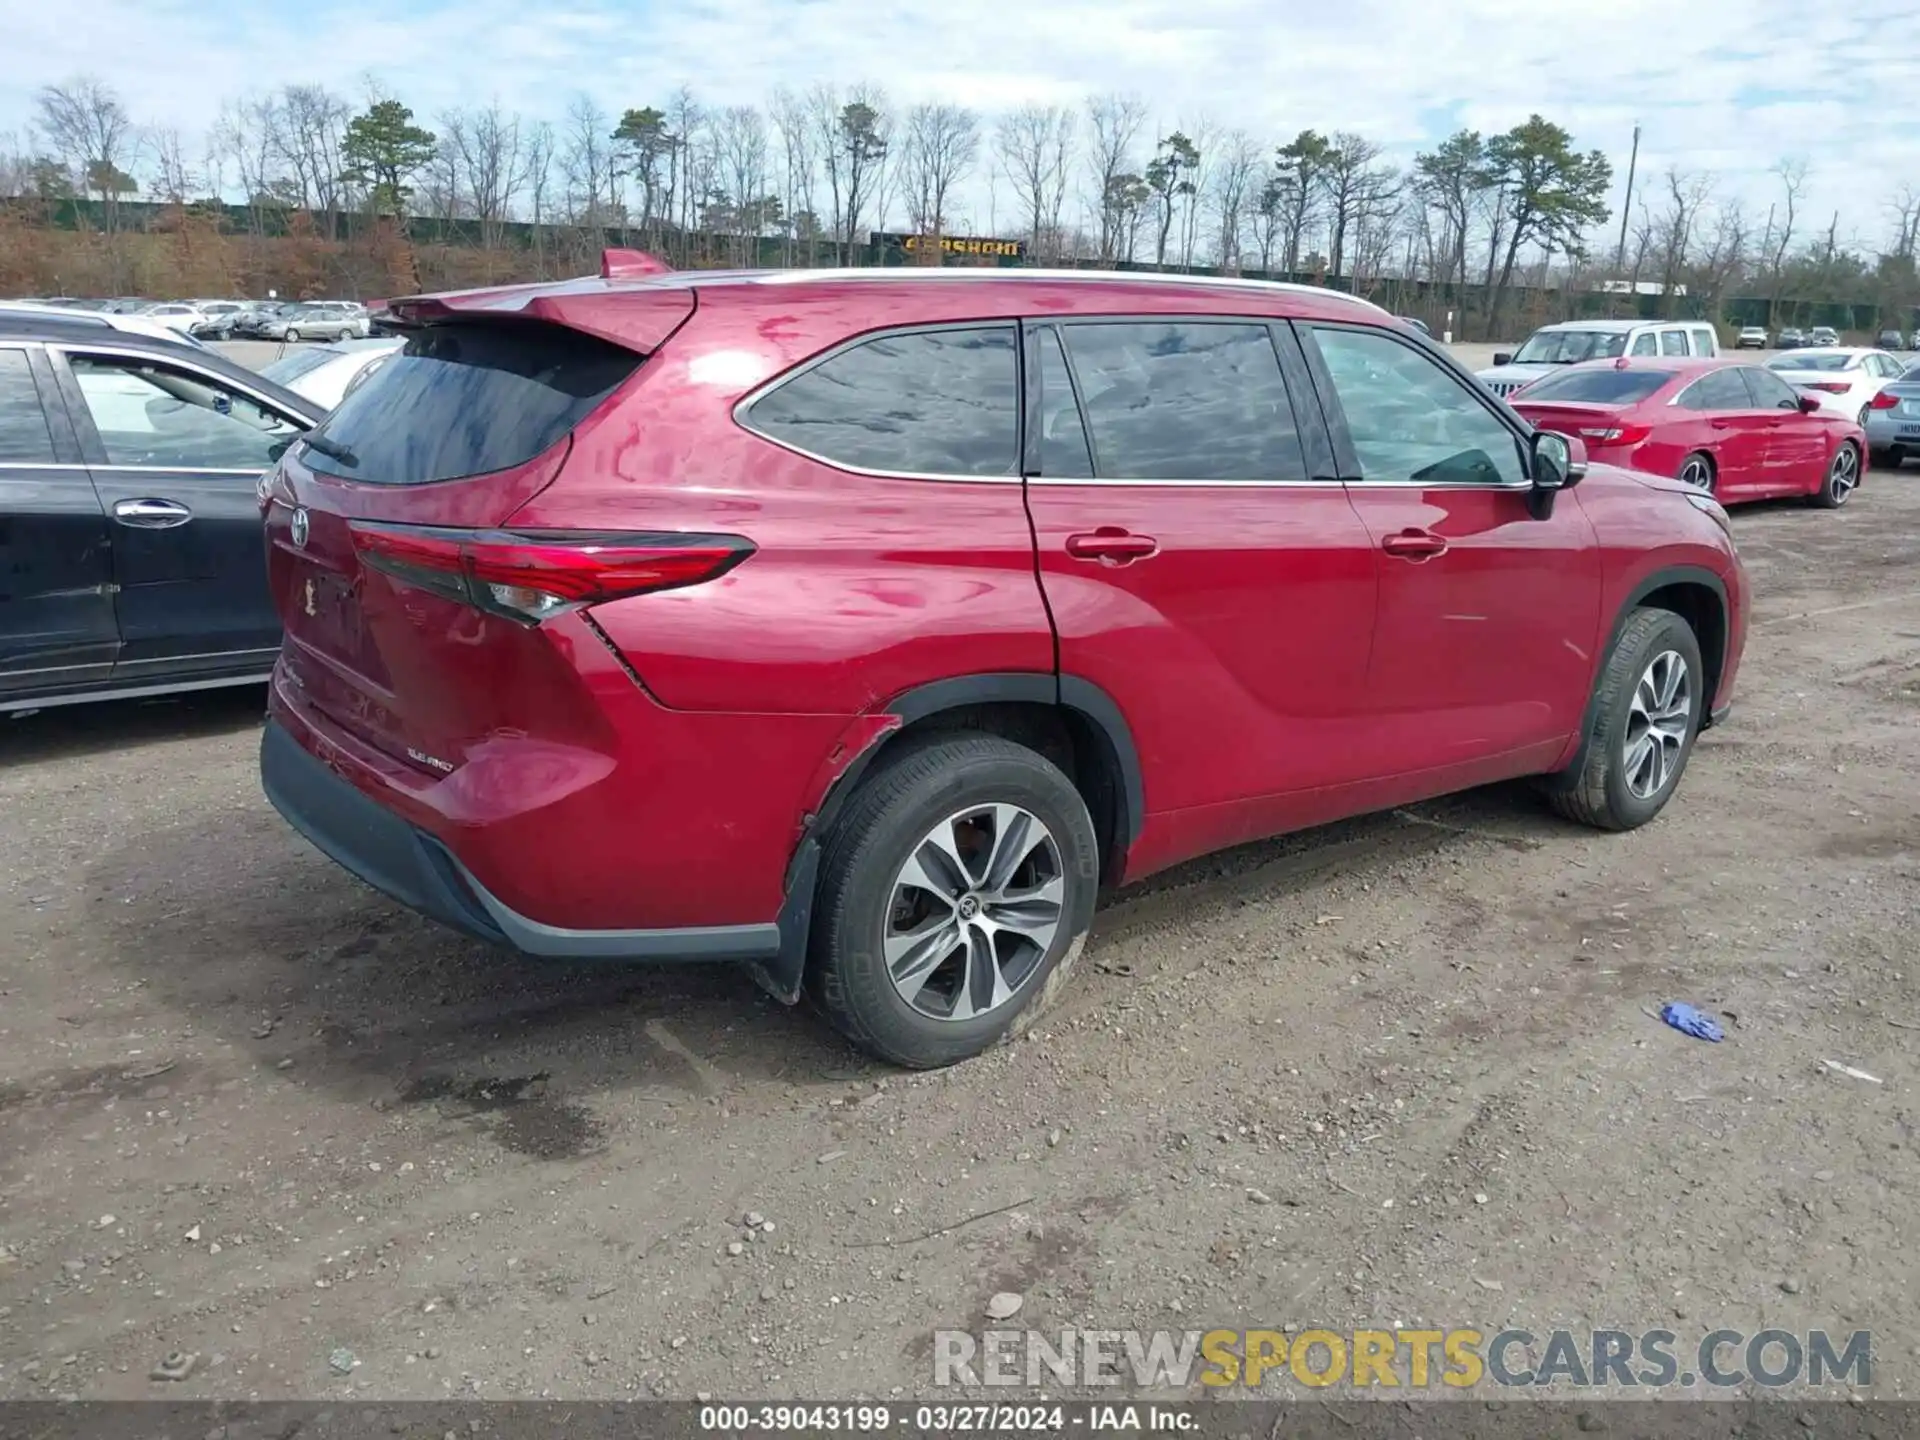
[973, 911]
[1658, 719]
[1843, 474]
[1697, 472]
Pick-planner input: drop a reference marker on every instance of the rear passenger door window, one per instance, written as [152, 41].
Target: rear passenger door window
[925, 402]
[152, 415]
[1717, 390]
[1645, 344]
[1184, 400]
[1409, 419]
[1673, 342]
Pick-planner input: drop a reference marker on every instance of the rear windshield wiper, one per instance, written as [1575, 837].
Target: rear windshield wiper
[331, 450]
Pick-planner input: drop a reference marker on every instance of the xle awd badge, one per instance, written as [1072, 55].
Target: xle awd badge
[299, 527]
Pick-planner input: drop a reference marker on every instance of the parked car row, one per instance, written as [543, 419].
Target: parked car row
[291, 321]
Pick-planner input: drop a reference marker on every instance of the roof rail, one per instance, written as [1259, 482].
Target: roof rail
[980, 275]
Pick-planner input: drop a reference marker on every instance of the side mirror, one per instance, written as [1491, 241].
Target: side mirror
[1807, 404]
[1558, 463]
[1503, 357]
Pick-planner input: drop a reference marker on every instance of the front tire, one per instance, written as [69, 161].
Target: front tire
[293, 337]
[1841, 479]
[1646, 714]
[955, 895]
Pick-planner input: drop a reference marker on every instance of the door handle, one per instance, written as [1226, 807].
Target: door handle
[1414, 545]
[1721, 424]
[1112, 546]
[151, 514]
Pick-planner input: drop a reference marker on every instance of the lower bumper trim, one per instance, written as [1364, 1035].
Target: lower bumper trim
[404, 862]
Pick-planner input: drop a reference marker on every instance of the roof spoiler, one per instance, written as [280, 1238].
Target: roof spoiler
[617, 264]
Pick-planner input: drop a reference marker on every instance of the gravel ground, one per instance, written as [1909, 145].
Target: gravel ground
[1396, 1071]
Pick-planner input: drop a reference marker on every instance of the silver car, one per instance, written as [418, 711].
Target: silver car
[1893, 420]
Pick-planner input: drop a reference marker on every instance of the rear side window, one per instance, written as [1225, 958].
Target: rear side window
[1717, 390]
[1185, 401]
[24, 439]
[1645, 344]
[1595, 387]
[465, 399]
[924, 402]
[1673, 342]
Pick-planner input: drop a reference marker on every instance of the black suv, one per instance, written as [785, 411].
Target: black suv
[131, 558]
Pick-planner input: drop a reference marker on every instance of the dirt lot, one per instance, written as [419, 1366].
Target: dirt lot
[251, 1111]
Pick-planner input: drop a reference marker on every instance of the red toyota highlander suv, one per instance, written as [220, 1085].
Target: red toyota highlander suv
[858, 626]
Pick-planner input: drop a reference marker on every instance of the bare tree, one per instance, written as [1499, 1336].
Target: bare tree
[688, 165]
[87, 126]
[492, 165]
[1904, 208]
[439, 179]
[798, 171]
[1114, 123]
[1232, 195]
[245, 135]
[740, 136]
[539, 164]
[1035, 145]
[309, 127]
[585, 164]
[938, 150]
[173, 179]
[1686, 197]
[1792, 172]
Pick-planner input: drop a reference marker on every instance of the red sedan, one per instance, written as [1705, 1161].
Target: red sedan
[1735, 430]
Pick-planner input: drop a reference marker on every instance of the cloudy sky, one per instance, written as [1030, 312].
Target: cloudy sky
[1720, 86]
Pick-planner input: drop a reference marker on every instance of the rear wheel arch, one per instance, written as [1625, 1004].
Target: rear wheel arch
[1068, 720]
[1072, 721]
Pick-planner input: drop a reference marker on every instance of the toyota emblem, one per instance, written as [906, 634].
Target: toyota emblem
[299, 527]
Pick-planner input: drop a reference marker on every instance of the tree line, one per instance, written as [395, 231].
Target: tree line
[811, 172]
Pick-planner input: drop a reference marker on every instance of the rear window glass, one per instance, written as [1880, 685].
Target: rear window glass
[1595, 387]
[294, 364]
[465, 400]
[933, 402]
[1812, 362]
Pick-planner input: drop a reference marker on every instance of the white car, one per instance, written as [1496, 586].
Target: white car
[1572, 341]
[1843, 378]
[175, 315]
[327, 374]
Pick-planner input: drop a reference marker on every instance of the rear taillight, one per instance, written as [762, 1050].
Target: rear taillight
[1883, 401]
[531, 577]
[1614, 434]
[1832, 387]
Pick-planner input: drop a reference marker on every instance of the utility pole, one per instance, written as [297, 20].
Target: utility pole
[1626, 208]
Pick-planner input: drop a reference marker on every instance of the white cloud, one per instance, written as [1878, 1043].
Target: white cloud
[1723, 86]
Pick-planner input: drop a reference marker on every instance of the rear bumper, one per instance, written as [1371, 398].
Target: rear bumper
[406, 863]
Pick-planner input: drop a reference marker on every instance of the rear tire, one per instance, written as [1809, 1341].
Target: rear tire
[1646, 715]
[1842, 477]
[1697, 470]
[981, 949]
